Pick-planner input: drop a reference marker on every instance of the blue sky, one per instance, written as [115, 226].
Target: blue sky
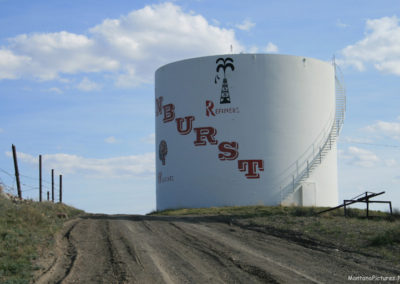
[77, 85]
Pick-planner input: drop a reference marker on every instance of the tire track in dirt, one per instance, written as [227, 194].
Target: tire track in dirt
[117, 265]
[220, 255]
[64, 260]
[164, 256]
[232, 253]
[71, 254]
[143, 249]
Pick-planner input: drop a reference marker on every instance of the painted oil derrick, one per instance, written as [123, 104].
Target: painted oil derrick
[225, 99]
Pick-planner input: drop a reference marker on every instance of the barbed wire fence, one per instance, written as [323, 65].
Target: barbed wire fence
[8, 182]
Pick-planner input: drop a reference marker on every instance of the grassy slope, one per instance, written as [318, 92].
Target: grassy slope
[25, 230]
[378, 236]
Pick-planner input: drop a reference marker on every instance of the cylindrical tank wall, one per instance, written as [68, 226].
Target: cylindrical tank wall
[228, 127]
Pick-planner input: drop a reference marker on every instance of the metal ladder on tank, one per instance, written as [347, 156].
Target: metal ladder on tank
[308, 164]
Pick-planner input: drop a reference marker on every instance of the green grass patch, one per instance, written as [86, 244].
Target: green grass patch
[27, 228]
[240, 211]
[387, 237]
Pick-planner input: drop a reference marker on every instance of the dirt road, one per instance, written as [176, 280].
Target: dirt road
[144, 249]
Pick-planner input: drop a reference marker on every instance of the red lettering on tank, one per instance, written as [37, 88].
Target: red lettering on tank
[189, 124]
[205, 133]
[251, 167]
[229, 151]
[169, 112]
[209, 108]
[159, 105]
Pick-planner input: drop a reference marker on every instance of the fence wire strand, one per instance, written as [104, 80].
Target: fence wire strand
[26, 187]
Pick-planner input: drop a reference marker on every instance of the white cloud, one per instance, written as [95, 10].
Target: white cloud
[252, 49]
[1, 130]
[271, 48]
[340, 24]
[129, 78]
[391, 163]
[390, 129]
[51, 54]
[130, 47]
[55, 90]
[142, 165]
[150, 139]
[348, 139]
[88, 85]
[110, 140]
[359, 157]
[24, 157]
[215, 22]
[11, 65]
[380, 47]
[246, 25]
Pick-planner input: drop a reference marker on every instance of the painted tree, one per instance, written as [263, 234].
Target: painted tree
[162, 151]
[224, 64]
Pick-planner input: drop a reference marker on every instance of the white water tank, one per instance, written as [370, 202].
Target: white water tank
[245, 129]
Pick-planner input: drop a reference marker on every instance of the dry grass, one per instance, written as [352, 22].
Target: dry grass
[25, 229]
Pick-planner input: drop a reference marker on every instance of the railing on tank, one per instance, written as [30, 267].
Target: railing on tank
[290, 179]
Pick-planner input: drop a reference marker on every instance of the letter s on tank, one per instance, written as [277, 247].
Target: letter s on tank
[229, 151]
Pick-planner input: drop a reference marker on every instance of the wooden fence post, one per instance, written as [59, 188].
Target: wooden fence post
[40, 178]
[60, 188]
[52, 185]
[16, 171]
